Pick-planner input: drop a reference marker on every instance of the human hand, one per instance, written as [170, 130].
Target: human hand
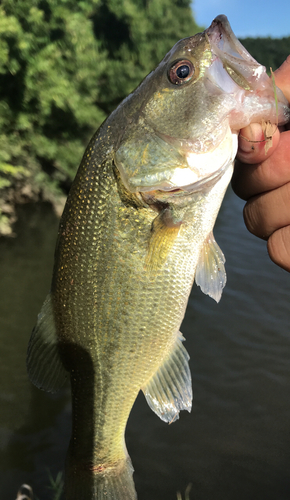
[263, 180]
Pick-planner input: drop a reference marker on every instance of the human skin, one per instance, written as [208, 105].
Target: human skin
[263, 180]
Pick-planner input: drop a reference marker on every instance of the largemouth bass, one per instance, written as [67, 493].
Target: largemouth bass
[136, 230]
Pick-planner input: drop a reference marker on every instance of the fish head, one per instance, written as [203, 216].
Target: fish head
[182, 132]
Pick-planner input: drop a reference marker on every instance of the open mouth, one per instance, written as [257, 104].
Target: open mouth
[226, 46]
[243, 69]
[221, 35]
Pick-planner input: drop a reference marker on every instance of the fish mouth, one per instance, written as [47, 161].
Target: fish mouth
[234, 70]
[242, 68]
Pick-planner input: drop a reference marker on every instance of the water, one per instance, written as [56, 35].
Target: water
[236, 442]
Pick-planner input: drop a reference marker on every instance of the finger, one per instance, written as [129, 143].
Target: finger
[252, 143]
[279, 247]
[268, 212]
[250, 180]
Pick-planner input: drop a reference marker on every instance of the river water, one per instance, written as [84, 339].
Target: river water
[235, 445]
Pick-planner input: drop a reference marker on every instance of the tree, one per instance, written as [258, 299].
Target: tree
[270, 52]
[64, 65]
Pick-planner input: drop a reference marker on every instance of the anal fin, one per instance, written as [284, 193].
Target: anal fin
[44, 365]
[169, 390]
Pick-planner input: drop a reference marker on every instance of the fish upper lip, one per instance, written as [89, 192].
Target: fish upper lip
[221, 34]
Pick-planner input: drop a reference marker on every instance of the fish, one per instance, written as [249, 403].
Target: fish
[136, 231]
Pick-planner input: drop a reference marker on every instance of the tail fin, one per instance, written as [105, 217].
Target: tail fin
[101, 483]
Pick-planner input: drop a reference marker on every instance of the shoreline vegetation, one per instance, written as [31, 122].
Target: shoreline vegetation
[63, 68]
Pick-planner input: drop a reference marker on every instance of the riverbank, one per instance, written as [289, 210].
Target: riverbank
[21, 192]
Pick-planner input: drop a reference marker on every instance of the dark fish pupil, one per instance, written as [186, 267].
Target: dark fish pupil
[182, 71]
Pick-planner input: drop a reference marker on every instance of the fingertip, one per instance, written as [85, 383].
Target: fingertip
[253, 147]
[250, 142]
[250, 134]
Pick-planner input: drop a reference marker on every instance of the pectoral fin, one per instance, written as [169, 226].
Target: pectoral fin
[169, 389]
[161, 242]
[44, 365]
[210, 272]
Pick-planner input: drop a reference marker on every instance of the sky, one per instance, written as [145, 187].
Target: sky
[247, 17]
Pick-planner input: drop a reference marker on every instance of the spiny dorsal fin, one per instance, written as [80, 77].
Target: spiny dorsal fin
[169, 389]
[44, 366]
[210, 272]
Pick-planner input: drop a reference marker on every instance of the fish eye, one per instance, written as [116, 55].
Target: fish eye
[181, 72]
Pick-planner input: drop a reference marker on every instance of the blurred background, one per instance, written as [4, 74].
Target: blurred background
[64, 65]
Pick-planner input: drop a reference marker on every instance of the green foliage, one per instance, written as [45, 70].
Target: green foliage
[271, 52]
[5, 225]
[56, 485]
[50, 62]
[136, 35]
[64, 65]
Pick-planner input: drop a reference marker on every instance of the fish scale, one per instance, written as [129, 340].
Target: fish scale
[135, 232]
